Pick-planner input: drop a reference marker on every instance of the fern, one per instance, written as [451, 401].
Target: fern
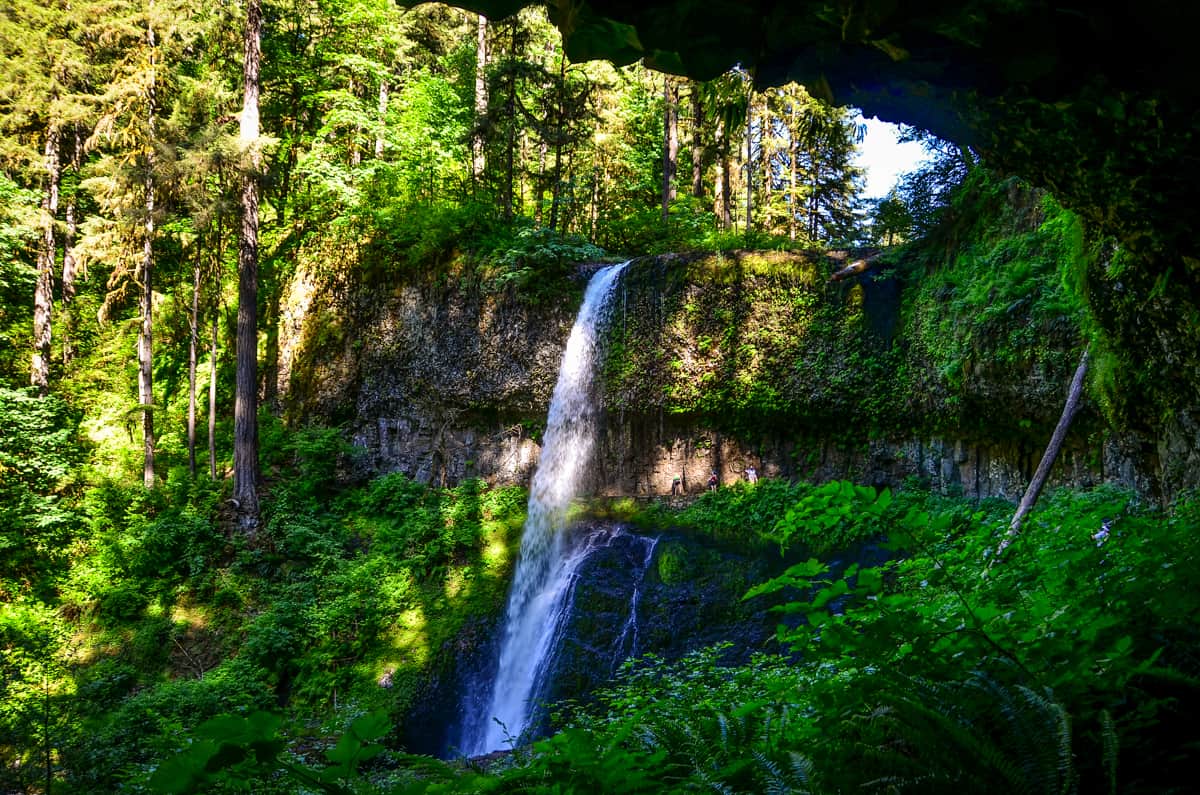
[977, 736]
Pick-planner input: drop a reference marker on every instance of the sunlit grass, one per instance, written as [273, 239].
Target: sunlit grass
[454, 583]
[194, 616]
[496, 553]
[411, 637]
[728, 267]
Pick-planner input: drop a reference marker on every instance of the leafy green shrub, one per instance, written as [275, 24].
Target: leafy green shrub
[741, 512]
[33, 642]
[425, 527]
[1084, 609]
[833, 516]
[123, 743]
[124, 602]
[312, 457]
[106, 683]
[535, 263]
[278, 636]
[182, 545]
[245, 753]
[699, 723]
[301, 536]
[38, 449]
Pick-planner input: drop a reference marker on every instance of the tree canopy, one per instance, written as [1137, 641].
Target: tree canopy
[1096, 103]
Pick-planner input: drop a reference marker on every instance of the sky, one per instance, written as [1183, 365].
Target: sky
[885, 159]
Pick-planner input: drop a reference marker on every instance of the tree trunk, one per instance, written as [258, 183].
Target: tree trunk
[556, 187]
[193, 353]
[381, 117]
[766, 157]
[570, 212]
[1074, 394]
[510, 155]
[478, 159]
[355, 137]
[814, 206]
[43, 292]
[794, 184]
[697, 142]
[539, 184]
[559, 137]
[670, 144]
[70, 269]
[212, 397]
[749, 164]
[721, 187]
[245, 412]
[146, 331]
[522, 169]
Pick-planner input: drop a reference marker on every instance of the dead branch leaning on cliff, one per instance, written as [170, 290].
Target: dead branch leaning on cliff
[1074, 394]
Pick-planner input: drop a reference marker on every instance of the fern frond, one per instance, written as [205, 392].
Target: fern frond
[802, 767]
[976, 736]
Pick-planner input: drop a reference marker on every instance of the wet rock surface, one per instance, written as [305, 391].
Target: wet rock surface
[686, 595]
[447, 384]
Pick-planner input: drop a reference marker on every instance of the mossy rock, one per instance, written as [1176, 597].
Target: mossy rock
[672, 565]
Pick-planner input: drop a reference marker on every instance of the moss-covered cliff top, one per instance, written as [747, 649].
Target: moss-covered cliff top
[774, 343]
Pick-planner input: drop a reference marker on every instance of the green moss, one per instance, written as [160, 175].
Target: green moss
[932, 340]
[673, 563]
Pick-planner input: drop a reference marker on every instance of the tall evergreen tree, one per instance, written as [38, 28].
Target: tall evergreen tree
[478, 156]
[135, 168]
[42, 68]
[245, 417]
[670, 143]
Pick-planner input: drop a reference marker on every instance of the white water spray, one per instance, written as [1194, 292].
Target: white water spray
[546, 568]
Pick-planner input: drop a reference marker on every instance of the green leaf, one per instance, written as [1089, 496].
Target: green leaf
[839, 588]
[181, 773]
[870, 580]
[371, 726]
[228, 756]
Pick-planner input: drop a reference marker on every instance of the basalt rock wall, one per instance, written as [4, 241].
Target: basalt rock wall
[714, 364]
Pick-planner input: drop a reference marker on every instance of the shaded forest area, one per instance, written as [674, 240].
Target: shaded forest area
[198, 596]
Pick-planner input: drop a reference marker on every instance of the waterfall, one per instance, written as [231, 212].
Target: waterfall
[542, 583]
[626, 645]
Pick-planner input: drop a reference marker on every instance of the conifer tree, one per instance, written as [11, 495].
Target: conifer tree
[670, 143]
[41, 69]
[482, 55]
[245, 418]
[134, 165]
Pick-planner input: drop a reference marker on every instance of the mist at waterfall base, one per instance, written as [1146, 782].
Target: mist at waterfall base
[618, 606]
[553, 661]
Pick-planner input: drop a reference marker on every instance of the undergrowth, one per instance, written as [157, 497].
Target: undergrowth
[1067, 665]
[160, 617]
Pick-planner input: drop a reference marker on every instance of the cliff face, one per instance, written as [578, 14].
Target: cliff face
[714, 363]
[443, 384]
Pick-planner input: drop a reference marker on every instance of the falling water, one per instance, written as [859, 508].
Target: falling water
[627, 642]
[546, 568]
